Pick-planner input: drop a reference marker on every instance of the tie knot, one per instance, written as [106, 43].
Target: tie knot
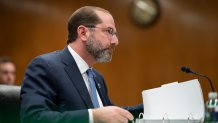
[90, 73]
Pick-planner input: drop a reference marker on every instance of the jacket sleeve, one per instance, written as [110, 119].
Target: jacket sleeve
[135, 110]
[39, 103]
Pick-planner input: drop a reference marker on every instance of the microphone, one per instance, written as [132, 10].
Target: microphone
[188, 70]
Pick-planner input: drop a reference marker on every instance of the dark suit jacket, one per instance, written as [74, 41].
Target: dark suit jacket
[53, 91]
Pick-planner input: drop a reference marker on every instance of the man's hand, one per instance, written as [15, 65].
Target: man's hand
[111, 114]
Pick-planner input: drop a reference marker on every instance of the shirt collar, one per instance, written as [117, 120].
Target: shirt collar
[82, 65]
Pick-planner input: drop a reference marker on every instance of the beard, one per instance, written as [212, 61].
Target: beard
[98, 51]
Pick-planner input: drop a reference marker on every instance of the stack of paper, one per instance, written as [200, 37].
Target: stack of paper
[174, 102]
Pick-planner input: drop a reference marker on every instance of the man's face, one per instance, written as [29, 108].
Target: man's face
[102, 39]
[7, 73]
[101, 52]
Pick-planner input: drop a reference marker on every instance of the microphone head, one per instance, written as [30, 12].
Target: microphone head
[186, 69]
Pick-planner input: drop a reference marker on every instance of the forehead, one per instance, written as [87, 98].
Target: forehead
[107, 19]
[7, 65]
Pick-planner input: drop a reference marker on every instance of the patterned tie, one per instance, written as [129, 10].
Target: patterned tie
[92, 88]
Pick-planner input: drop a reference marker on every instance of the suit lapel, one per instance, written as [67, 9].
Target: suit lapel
[73, 72]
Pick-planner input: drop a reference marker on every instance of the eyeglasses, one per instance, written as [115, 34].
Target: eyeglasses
[109, 30]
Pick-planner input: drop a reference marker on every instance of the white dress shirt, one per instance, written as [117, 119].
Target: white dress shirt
[83, 67]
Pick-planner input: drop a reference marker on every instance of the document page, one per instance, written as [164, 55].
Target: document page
[174, 101]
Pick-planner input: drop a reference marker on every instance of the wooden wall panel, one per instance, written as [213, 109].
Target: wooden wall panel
[185, 34]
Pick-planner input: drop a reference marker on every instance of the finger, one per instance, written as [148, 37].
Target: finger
[122, 119]
[126, 114]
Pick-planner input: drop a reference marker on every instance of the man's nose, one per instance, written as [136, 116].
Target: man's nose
[114, 40]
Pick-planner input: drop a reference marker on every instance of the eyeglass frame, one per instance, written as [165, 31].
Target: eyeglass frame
[109, 30]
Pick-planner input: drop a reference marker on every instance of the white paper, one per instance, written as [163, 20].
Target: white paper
[175, 101]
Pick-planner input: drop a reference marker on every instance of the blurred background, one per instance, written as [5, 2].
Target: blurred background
[185, 33]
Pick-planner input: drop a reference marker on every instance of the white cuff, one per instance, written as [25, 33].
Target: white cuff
[91, 120]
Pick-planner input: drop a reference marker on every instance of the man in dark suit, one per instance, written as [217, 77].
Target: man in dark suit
[58, 87]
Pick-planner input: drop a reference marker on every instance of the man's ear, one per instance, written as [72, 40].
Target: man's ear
[83, 32]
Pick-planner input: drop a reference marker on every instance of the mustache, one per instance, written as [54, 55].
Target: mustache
[110, 48]
[107, 50]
